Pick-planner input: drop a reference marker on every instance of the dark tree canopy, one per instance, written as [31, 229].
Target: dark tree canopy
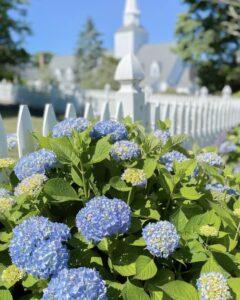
[208, 39]
[89, 51]
[13, 29]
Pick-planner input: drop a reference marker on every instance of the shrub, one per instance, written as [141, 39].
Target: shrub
[95, 217]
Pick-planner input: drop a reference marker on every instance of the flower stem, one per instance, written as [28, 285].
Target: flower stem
[129, 196]
[237, 233]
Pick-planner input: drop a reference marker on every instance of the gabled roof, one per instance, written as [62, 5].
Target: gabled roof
[61, 62]
[170, 64]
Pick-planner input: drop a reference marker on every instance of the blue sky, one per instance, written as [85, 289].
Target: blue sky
[56, 23]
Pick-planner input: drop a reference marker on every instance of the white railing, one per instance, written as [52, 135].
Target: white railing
[204, 118]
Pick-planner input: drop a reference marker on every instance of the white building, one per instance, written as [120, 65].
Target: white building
[162, 67]
[164, 70]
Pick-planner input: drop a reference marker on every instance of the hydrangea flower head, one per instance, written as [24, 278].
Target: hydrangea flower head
[38, 162]
[218, 187]
[117, 130]
[208, 231]
[125, 150]
[210, 158]
[103, 217]
[12, 141]
[213, 286]
[66, 127]
[135, 177]
[4, 193]
[30, 185]
[81, 283]
[161, 238]
[37, 247]
[6, 162]
[6, 204]
[227, 147]
[168, 159]
[162, 135]
[12, 274]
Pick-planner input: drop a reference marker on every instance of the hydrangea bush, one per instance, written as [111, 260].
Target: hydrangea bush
[107, 211]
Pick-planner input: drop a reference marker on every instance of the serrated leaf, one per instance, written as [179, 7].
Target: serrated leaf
[190, 193]
[133, 292]
[102, 150]
[118, 184]
[149, 167]
[60, 190]
[180, 290]
[145, 268]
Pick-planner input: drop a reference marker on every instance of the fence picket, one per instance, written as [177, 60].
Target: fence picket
[88, 112]
[49, 120]
[24, 131]
[105, 113]
[70, 111]
[3, 140]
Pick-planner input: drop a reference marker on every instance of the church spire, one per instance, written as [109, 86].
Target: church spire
[132, 13]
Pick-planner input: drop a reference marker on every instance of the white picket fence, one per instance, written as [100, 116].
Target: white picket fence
[204, 118]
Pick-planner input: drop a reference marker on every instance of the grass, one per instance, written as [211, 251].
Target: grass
[10, 117]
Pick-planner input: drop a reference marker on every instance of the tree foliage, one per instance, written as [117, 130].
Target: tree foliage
[89, 51]
[208, 38]
[13, 29]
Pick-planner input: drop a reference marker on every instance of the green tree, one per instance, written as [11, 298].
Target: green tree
[41, 59]
[207, 38]
[89, 51]
[13, 29]
[103, 74]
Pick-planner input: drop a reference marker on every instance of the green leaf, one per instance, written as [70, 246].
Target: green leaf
[5, 295]
[149, 167]
[179, 220]
[234, 284]
[118, 184]
[102, 150]
[157, 295]
[133, 292]
[212, 266]
[145, 268]
[29, 281]
[60, 190]
[190, 193]
[225, 215]
[180, 290]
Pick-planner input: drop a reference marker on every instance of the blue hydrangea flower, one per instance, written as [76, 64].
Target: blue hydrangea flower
[66, 127]
[117, 130]
[210, 158]
[227, 147]
[103, 217]
[38, 162]
[125, 150]
[213, 286]
[12, 141]
[37, 247]
[81, 284]
[4, 193]
[162, 135]
[168, 159]
[218, 187]
[161, 238]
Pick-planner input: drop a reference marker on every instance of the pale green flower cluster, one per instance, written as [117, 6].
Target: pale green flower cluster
[30, 185]
[208, 231]
[6, 163]
[6, 204]
[12, 274]
[236, 212]
[135, 177]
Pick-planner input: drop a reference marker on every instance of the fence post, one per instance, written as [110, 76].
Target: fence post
[49, 120]
[70, 111]
[227, 92]
[3, 140]
[88, 112]
[129, 73]
[24, 131]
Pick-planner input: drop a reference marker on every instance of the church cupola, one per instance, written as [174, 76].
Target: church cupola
[132, 36]
[131, 14]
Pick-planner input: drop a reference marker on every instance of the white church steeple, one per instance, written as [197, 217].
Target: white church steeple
[132, 13]
[132, 36]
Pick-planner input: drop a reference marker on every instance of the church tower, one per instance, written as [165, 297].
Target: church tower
[132, 36]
